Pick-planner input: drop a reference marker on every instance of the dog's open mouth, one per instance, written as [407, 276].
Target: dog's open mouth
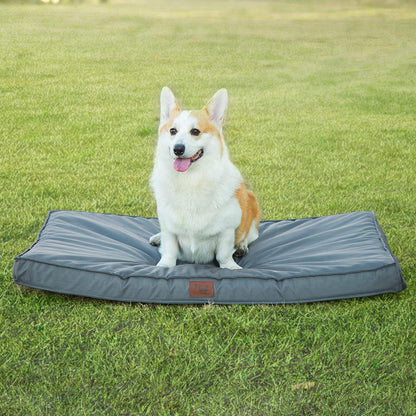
[181, 164]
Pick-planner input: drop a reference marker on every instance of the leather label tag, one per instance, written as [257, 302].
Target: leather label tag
[201, 289]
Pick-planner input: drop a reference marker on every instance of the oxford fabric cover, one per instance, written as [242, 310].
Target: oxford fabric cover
[304, 260]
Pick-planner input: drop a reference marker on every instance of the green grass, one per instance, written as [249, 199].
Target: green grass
[321, 121]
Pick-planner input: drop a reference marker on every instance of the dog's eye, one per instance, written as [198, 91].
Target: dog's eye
[173, 131]
[195, 132]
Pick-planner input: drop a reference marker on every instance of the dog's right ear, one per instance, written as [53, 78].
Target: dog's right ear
[167, 105]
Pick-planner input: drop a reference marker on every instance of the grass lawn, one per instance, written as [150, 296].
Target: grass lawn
[321, 121]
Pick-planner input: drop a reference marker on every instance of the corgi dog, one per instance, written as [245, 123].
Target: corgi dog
[205, 211]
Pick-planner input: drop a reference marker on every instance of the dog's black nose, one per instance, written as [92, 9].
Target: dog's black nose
[179, 149]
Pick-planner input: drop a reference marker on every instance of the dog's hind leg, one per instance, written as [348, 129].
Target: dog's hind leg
[155, 240]
[241, 248]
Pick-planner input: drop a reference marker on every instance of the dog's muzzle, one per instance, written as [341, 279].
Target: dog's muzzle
[181, 164]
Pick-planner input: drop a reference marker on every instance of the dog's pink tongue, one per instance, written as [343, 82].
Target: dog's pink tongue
[182, 164]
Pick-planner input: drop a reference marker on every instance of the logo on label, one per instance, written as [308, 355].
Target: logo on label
[201, 289]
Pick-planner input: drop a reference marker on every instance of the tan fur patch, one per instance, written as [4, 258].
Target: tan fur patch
[205, 125]
[249, 212]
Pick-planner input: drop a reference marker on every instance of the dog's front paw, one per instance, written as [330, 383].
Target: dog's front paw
[230, 264]
[155, 240]
[166, 263]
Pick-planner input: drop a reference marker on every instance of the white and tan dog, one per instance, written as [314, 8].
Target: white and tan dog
[205, 210]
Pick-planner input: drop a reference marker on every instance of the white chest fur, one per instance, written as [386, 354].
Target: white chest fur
[197, 207]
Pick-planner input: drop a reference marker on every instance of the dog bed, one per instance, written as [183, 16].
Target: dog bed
[304, 260]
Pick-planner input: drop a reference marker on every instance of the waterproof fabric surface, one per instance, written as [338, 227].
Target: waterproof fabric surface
[108, 256]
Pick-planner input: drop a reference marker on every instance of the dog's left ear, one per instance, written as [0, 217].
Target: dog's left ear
[217, 106]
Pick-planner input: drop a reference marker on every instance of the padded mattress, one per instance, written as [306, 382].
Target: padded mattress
[303, 260]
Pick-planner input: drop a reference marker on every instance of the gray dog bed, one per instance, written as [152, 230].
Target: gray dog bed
[304, 260]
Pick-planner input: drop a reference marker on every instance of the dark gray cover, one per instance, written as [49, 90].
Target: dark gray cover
[305, 260]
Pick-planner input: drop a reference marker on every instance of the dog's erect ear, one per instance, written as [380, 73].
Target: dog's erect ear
[167, 105]
[217, 106]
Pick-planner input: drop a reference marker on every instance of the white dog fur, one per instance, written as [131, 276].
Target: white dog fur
[204, 209]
